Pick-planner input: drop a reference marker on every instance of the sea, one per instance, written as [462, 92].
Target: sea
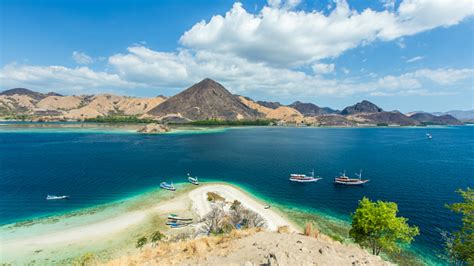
[96, 166]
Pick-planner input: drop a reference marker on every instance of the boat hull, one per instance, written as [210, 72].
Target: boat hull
[305, 180]
[167, 187]
[354, 183]
[57, 198]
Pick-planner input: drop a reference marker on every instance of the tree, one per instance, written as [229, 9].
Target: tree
[156, 236]
[461, 245]
[375, 225]
[141, 242]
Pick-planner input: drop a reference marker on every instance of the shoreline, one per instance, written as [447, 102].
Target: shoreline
[134, 213]
[105, 226]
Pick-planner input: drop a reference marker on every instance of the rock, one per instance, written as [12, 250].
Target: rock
[154, 128]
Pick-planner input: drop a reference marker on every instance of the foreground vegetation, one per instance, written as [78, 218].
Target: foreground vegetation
[375, 225]
[460, 245]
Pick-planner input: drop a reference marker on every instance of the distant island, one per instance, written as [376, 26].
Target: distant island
[205, 103]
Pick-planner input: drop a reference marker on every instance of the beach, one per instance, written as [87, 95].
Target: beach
[67, 238]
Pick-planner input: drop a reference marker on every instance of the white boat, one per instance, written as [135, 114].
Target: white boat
[173, 216]
[428, 135]
[193, 180]
[167, 186]
[344, 180]
[54, 197]
[302, 178]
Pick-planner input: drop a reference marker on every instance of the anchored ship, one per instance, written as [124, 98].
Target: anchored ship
[344, 180]
[302, 178]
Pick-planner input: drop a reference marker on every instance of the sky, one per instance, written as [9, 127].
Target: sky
[405, 55]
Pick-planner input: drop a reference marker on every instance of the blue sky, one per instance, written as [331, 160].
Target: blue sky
[406, 55]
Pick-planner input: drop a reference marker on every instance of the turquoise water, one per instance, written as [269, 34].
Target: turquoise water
[97, 167]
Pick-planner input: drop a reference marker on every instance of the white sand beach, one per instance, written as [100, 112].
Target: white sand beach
[38, 241]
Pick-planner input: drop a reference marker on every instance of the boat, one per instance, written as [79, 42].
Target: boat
[193, 180]
[344, 180]
[178, 225]
[428, 135]
[302, 178]
[54, 197]
[267, 207]
[177, 218]
[167, 186]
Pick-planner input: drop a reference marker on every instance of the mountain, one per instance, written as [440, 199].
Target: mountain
[309, 109]
[427, 118]
[362, 107]
[205, 100]
[271, 105]
[467, 115]
[53, 106]
[26, 92]
[389, 118]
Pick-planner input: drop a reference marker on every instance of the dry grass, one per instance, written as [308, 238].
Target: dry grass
[284, 229]
[310, 230]
[169, 253]
[212, 196]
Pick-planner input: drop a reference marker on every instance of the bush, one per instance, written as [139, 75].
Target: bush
[460, 245]
[212, 196]
[375, 225]
[156, 236]
[235, 205]
[141, 242]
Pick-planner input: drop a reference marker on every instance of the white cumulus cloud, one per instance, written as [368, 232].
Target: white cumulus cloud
[58, 77]
[288, 38]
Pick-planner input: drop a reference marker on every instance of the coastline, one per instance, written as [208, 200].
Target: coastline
[69, 234]
[110, 230]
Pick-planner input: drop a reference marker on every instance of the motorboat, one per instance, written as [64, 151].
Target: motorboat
[177, 218]
[54, 197]
[193, 180]
[167, 186]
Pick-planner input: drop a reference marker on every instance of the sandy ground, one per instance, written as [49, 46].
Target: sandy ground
[270, 248]
[44, 239]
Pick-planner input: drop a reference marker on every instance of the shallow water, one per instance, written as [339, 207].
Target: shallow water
[98, 167]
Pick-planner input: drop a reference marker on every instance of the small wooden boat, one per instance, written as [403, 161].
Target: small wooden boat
[167, 186]
[302, 178]
[176, 217]
[54, 197]
[177, 225]
[193, 180]
[344, 180]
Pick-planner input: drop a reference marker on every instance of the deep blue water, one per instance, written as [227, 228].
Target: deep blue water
[419, 174]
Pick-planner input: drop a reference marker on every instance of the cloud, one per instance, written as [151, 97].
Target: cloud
[323, 68]
[287, 38]
[82, 58]
[414, 59]
[270, 53]
[284, 4]
[58, 78]
[142, 67]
